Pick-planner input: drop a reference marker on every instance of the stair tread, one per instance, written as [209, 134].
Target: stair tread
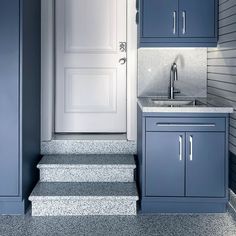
[93, 160]
[84, 191]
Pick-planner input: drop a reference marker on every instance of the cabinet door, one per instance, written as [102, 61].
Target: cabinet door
[159, 18]
[205, 164]
[9, 97]
[197, 18]
[165, 158]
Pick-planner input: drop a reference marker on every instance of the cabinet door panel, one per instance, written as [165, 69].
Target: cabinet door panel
[9, 97]
[197, 17]
[205, 170]
[164, 166]
[158, 19]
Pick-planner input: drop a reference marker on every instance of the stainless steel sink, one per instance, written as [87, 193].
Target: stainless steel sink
[174, 102]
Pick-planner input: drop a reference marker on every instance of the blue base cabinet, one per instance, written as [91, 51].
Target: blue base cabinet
[178, 23]
[182, 162]
[205, 170]
[162, 163]
[19, 102]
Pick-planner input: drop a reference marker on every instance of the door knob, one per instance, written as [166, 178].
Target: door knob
[122, 61]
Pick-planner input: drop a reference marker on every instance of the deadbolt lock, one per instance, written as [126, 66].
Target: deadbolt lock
[123, 46]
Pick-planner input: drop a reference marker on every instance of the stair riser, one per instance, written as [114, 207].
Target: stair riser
[88, 147]
[86, 175]
[78, 208]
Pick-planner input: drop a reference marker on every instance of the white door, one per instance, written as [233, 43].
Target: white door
[90, 78]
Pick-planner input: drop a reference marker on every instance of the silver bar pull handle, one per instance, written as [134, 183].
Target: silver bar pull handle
[184, 21]
[180, 148]
[174, 22]
[191, 148]
[184, 125]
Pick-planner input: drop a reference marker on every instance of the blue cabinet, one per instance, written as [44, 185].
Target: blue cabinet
[182, 23]
[159, 18]
[197, 19]
[182, 162]
[19, 102]
[205, 164]
[165, 164]
[9, 97]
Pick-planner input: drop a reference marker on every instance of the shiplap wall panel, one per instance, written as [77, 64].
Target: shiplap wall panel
[220, 93]
[222, 69]
[227, 29]
[227, 21]
[222, 64]
[232, 148]
[220, 54]
[222, 85]
[226, 12]
[233, 123]
[227, 37]
[232, 131]
[227, 4]
[233, 116]
[225, 78]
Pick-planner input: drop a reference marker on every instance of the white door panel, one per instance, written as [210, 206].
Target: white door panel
[90, 82]
[101, 84]
[87, 15]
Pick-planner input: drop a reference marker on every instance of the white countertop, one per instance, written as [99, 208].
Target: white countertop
[207, 106]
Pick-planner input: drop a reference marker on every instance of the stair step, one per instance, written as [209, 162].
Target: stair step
[87, 168]
[54, 199]
[81, 191]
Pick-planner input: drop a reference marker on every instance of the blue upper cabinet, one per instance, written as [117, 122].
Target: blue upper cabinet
[165, 14]
[181, 23]
[197, 18]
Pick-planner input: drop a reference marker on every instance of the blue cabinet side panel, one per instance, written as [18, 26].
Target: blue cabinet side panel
[139, 160]
[30, 22]
[232, 172]
[9, 97]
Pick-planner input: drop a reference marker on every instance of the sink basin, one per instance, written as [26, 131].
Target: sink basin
[174, 102]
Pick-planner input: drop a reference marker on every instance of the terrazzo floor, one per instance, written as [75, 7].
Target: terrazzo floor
[141, 225]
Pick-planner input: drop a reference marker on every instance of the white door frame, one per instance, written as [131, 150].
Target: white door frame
[48, 68]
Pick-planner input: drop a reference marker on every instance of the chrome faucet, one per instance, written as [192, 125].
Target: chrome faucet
[173, 78]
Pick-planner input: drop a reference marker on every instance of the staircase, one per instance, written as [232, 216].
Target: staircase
[85, 185]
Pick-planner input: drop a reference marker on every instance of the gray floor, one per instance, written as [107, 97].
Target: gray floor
[160, 225]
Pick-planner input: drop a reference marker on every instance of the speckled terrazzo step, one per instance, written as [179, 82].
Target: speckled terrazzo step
[54, 199]
[87, 168]
[88, 147]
